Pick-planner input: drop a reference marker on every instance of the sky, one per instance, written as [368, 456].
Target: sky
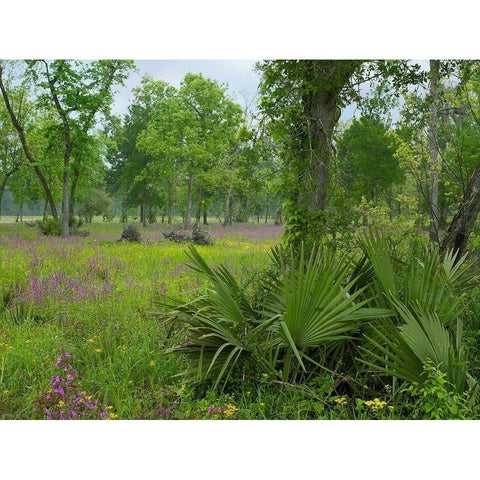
[238, 75]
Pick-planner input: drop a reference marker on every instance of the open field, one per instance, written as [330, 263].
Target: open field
[93, 297]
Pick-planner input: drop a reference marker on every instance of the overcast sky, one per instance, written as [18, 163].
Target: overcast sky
[238, 75]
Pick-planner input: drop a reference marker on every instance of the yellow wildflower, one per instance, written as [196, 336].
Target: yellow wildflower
[28, 341]
[229, 410]
[98, 350]
[152, 363]
[341, 400]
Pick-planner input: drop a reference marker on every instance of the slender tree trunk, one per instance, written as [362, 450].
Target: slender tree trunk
[247, 208]
[143, 211]
[3, 185]
[26, 150]
[188, 212]
[20, 214]
[278, 217]
[198, 213]
[205, 219]
[266, 210]
[463, 222]
[228, 208]
[73, 191]
[432, 146]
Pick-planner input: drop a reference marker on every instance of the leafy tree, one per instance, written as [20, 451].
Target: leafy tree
[302, 99]
[21, 126]
[77, 91]
[191, 131]
[367, 161]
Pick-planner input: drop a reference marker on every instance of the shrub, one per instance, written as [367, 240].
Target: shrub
[131, 234]
[50, 227]
[435, 399]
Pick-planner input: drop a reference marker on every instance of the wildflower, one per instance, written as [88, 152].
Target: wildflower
[98, 350]
[152, 363]
[375, 404]
[28, 341]
[341, 401]
[265, 375]
[229, 410]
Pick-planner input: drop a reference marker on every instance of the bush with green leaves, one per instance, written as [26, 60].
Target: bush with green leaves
[435, 399]
[309, 312]
[360, 319]
[426, 297]
[51, 227]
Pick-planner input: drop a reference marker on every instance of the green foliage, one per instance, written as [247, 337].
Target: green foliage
[51, 227]
[435, 399]
[365, 143]
[427, 298]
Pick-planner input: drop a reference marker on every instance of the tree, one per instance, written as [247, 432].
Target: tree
[302, 99]
[20, 124]
[366, 155]
[11, 153]
[191, 131]
[77, 91]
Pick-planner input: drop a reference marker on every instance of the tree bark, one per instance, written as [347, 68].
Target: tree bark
[463, 222]
[143, 211]
[266, 210]
[188, 212]
[434, 157]
[228, 208]
[278, 217]
[321, 114]
[205, 220]
[67, 152]
[73, 190]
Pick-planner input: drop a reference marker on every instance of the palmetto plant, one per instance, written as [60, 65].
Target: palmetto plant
[408, 313]
[427, 298]
[313, 304]
[310, 307]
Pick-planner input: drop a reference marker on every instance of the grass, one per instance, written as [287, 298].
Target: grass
[93, 297]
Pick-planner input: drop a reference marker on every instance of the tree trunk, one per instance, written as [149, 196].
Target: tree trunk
[322, 81]
[278, 217]
[73, 191]
[20, 214]
[432, 146]
[188, 212]
[266, 210]
[198, 213]
[143, 211]
[320, 113]
[2, 191]
[463, 222]
[228, 208]
[205, 220]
